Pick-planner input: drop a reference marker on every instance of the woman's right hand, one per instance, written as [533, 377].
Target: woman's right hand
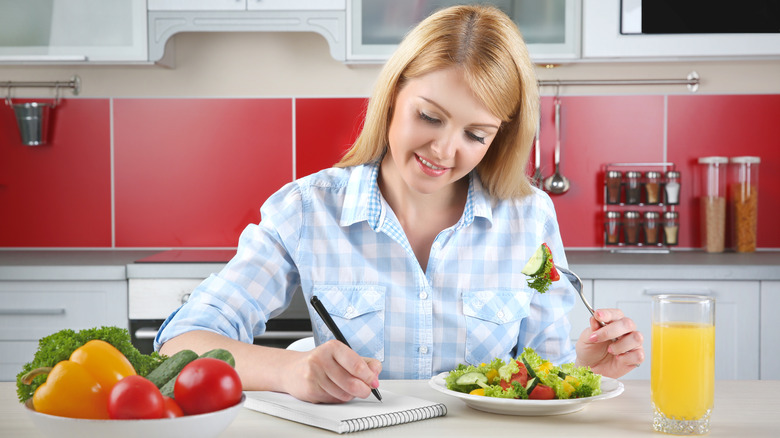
[331, 373]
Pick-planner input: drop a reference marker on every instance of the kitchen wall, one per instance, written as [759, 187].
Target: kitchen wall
[182, 157]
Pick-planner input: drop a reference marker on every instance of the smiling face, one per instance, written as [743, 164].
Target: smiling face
[438, 133]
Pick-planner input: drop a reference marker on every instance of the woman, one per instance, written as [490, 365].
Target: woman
[415, 240]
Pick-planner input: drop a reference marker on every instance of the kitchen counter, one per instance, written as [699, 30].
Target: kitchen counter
[742, 408]
[589, 264]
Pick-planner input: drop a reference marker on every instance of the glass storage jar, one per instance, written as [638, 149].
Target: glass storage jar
[612, 228]
[652, 186]
[650, 226]
[712, 202]
[633, 187]
[671, 228]
[613, 185]
[672, 188]
[743, 188]
[631, 227]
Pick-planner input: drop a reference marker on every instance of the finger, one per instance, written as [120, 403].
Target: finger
[351, 372]
[608, 315]
[613, 331]
[629, 342]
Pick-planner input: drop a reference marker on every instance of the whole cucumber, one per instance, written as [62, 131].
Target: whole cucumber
[221, 354]
[169, 369]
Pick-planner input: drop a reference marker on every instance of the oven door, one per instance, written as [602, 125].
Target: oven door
[152, 300]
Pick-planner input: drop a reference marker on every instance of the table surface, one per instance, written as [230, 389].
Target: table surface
[749, 408]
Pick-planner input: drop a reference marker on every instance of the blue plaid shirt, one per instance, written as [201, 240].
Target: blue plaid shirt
[333, 235]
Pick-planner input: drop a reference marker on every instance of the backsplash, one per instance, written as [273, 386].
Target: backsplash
[193, 172]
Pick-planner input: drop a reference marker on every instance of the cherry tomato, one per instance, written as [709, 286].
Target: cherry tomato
[207, 385]
[171, 409]
[520, 377]
[542, 392]
[135, 397]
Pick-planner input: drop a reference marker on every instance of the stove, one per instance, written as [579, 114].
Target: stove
[160, 283]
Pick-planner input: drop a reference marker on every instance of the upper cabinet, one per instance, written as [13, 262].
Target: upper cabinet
[551, 28]
[651, 30]
[65, 31]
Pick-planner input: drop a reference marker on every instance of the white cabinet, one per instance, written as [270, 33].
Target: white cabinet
[770, 330]
[241, 5]
[551, 28]
[602, 39]
[64, 31]
[169, 17]
[736, 318]
[30, 310]
[579, 317]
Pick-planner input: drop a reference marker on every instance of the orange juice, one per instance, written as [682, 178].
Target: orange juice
[683, 369]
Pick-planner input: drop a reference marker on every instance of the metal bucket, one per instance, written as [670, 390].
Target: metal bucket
[33, 121]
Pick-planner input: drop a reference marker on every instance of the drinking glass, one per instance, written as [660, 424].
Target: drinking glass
[682, 373]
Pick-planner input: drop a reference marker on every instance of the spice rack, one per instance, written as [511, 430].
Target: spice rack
[639, 207]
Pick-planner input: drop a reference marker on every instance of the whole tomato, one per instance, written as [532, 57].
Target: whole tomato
[207, 385]
[135, 397]
[171, 408]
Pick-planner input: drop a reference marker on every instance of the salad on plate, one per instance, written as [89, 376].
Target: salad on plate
[526, 377]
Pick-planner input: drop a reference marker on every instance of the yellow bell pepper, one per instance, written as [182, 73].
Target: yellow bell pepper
[106, 364]
[79, 387]
[71, 391]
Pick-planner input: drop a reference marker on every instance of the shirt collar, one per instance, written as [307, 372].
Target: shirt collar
[363, 201]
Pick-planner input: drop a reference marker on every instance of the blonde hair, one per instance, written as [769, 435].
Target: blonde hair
[488, 47]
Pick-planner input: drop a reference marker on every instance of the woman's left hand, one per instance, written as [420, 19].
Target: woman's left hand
[612, 350]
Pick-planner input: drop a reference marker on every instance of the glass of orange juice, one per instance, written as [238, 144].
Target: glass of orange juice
[682, 373]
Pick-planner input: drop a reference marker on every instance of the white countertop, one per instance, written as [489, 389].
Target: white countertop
[742, 408]
[589, 264]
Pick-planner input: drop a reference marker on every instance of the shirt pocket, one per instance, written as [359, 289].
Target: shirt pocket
[493, 320]
[359, 312]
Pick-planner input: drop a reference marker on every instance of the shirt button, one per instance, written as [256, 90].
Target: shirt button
[350, 309]
[500, 315]
[424, 349]
[423, 295]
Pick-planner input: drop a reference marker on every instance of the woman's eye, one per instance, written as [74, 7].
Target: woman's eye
[428, 118]
[475, 137]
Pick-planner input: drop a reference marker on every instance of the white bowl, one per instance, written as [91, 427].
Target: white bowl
[208, 425]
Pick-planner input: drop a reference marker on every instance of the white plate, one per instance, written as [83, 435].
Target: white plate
[609, 388]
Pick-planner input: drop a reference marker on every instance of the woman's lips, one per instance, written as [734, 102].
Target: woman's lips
[429, 168]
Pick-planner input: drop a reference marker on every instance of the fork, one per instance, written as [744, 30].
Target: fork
[575, 281]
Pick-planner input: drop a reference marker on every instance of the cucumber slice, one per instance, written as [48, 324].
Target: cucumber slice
[535, 265]
[472, 378]
[531, 385]
[529, 368]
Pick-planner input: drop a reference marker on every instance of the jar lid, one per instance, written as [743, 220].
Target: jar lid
[672, 174]
[670, 215]
[652, 174]
[632, 215]
[613, 215]
[652, 215]
[614, 174]
[746, 160]
[633, 174]
[713, 160]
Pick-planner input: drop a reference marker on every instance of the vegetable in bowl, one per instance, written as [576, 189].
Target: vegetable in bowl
[526, 377]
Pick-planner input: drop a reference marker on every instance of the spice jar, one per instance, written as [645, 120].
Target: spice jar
[712, 202]
[743, 191]
[671, 228]
[633, 189]
[672, 188]
[612, 228]
[613, 186]
[650, 226]
[652, 187]
[631, 227]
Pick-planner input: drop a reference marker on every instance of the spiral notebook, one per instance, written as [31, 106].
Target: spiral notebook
[353, 416]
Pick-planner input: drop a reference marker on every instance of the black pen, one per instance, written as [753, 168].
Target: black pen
[317, 304]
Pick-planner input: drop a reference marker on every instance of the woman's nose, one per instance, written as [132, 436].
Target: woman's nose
[444, 146]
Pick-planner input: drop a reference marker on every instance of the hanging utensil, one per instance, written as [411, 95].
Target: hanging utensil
[557, 183]
[536, 179]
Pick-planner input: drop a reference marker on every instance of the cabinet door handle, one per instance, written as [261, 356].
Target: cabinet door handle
[146, 333]
[30, 312]
[653, 292]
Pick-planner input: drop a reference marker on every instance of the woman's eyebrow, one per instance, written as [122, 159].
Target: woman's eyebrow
[447, 113]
